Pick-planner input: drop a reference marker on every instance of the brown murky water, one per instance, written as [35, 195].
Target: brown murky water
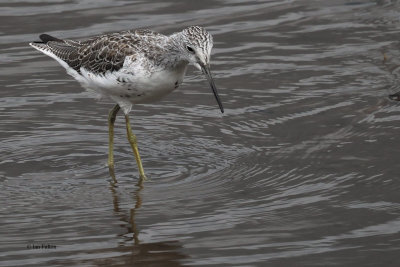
[301, 170]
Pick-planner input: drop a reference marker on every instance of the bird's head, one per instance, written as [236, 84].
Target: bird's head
[196, 48]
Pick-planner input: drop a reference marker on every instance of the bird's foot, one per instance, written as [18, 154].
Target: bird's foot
[143, 177]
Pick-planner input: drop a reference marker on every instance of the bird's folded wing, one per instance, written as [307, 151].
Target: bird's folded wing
[97, 55]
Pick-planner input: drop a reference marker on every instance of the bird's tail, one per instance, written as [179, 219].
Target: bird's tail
[47, 38]
[60, 50]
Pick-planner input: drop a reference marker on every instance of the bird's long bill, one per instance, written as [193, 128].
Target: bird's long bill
[206, 71]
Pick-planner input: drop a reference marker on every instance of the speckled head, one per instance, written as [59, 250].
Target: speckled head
[198, 44]
[196, 47]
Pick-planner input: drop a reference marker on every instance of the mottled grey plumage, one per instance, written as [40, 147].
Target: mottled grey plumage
[136, 66]
[101, 53]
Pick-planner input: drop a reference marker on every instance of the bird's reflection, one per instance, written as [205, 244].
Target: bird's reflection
[132, 227]
[132, 251]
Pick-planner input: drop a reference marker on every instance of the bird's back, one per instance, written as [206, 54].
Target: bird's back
[101, 53]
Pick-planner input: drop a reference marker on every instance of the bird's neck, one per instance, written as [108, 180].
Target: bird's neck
[174, 46]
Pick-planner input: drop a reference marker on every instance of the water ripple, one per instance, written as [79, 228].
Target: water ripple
[301, 169]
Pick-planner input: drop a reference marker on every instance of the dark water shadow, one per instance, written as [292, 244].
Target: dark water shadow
[130, 250]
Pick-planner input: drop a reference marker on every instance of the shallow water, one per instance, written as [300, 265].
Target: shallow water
[301, 170]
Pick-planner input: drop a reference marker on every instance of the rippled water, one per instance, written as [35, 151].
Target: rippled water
[301, 170]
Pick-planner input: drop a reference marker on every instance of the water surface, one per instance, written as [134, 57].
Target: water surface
[301, 170]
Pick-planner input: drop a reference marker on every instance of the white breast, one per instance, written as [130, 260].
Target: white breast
[134, 84]
[158, 84]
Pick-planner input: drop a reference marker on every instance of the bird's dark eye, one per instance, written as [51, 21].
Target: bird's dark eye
[190, 49]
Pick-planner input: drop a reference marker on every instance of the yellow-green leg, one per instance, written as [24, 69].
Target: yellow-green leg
[132, 140]
[111, 119]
